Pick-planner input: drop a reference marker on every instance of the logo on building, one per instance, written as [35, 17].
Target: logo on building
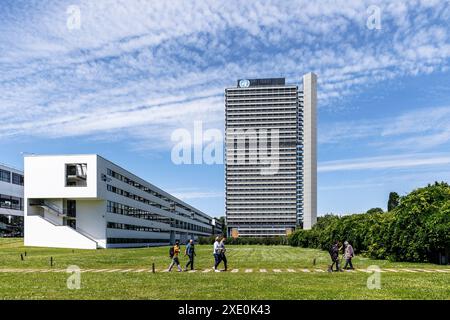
[244, 83]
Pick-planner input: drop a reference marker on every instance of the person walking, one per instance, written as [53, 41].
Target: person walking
[222, 251]
[348, 255]
[174, 252]
[190, 252]
[216, 253]
[334, 254]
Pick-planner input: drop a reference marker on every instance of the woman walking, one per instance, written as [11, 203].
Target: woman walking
[348, 255]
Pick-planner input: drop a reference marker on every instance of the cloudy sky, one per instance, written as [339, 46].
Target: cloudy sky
[121, 76]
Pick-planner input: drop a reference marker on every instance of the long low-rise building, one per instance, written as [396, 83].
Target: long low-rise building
[11, 201]
[88, 202]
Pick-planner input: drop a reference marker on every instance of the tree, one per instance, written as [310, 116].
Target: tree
[417, 230]
[375, 210]
[422, 224]
[224, 225]
[394, 201]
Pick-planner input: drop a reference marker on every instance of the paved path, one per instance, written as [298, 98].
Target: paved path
[291, 270]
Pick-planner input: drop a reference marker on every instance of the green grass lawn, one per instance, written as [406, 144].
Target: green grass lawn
[225, 285]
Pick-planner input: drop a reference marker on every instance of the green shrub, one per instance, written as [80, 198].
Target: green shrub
[415, 230]
[247, 241]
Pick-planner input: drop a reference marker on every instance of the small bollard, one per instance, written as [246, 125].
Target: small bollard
[21, 257]
[153, 267]
[51, 261]
[314, 261]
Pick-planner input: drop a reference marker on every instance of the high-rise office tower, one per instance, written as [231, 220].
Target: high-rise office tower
[271, 157]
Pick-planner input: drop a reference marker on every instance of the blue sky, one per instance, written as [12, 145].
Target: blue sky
[137, 70]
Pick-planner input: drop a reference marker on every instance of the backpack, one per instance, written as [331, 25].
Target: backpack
[171, 252]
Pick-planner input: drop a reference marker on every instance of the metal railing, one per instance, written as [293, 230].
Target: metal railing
[42, 203]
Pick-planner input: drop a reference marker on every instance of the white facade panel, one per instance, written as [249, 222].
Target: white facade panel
[45, 177]
[310, 150]
[91, 220]
[41, 233]
[11, 189]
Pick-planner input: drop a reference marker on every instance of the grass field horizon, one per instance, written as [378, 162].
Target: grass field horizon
[201, 285]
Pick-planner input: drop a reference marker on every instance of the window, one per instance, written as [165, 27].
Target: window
[132, 240]
[76, 175]
[114, 225]
[9, 202]
[17, 179]
[5, 176]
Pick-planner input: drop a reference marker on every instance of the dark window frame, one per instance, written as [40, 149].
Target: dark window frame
[5, 176]
[17, 178]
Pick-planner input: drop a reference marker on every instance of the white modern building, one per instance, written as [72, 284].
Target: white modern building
[271, 157]
[11, 201]
[88, 202]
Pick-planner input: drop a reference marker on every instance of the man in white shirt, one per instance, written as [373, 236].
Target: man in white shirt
[216, 253]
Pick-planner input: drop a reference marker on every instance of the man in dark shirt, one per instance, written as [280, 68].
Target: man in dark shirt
[222, 253]
[334, 254]
[190, 252]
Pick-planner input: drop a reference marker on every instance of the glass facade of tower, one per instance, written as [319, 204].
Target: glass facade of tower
[264, 129]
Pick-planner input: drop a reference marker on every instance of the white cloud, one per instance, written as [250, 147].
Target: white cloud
[358, 186]
[416, 130]
[386, 162]
[144, 68]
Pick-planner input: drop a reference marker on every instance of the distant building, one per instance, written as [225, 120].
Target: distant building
[11, 201]
[86, 201]
[217, 226]
[262, 204]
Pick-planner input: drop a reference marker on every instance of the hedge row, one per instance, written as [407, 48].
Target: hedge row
[248, 241]
[418, 229]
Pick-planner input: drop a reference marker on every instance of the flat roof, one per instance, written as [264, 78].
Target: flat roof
[10, 168]
[129, 172]
[263, 82]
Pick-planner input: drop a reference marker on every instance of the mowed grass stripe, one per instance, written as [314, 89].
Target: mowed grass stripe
[275, 271]
[313, 284]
